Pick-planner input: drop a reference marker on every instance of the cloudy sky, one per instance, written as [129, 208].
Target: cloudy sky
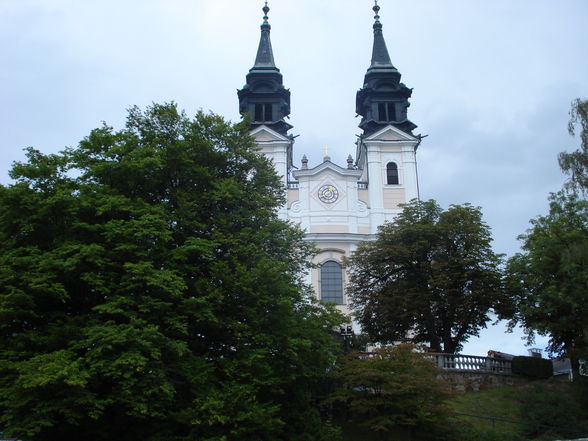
[493, 82]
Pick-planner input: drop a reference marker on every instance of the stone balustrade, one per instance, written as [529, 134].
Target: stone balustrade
[471, 363]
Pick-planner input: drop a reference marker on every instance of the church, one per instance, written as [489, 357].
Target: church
[338, 206]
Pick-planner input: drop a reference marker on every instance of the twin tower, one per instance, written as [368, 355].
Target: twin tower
[338, 206]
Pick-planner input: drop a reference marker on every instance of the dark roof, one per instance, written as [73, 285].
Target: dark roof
[500, 355]
[265, 55]
[380, 55]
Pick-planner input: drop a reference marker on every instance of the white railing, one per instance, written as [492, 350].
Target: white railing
[471, 363]
[463, 363]
[293, 185]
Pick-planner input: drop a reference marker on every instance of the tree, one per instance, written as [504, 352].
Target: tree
[576, 163]
[429, 277]
[549, 278]
[392, 387]
[149, 291]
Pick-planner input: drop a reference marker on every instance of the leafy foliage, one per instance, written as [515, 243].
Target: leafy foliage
[148, 291]
[430, 277]
[549, 279]
[393, 386]
[576, 163]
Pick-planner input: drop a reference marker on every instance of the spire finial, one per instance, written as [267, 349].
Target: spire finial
[304, 162]
[376, 10]
[380, 56]
[265, 56]
[265, 10]
[349, 162]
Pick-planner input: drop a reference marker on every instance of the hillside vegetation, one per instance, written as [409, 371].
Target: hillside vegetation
[539, 411]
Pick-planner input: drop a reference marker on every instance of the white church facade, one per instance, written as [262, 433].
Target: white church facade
[338, 206]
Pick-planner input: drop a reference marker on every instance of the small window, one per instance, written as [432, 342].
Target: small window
[332, 282]
[391, 173]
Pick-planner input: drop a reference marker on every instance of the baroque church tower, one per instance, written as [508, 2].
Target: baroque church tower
[338, 206]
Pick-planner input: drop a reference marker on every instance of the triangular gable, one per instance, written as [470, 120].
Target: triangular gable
[265, 134]
[391, 133]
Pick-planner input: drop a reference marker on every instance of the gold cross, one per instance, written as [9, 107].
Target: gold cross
[326, 150]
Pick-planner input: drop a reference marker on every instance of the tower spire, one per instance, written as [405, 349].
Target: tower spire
[265, 54]
[264, 96]
[383, 99]
[380, 56]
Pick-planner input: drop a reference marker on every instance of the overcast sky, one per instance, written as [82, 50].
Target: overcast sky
[493, 82]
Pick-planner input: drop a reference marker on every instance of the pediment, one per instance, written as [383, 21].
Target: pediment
[265, 134]
[327, 167]
[391, 133]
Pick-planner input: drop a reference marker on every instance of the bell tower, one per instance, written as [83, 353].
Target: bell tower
[267, 102]
[383, 99]
[264, 97]
[386, 150]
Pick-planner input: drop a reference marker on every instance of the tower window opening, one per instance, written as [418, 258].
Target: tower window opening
[331, 282]
[263, 112]
[391, 173]
[387, 111]
[268, 112]
[258, 112]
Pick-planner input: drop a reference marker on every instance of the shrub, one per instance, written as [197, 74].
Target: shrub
[532, 367]
[394, 387]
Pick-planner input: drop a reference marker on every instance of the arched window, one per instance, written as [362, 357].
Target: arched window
[392, 173]
[332, 282]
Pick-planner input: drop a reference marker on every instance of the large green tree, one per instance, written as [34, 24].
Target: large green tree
[429, 277]
[148, 291]
[575, 163]
[549, 278]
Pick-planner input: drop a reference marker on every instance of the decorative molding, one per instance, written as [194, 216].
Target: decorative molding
[362, 207]
[296, 207]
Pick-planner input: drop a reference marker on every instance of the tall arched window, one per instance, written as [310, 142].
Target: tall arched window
[332, 282]
[392, 173]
